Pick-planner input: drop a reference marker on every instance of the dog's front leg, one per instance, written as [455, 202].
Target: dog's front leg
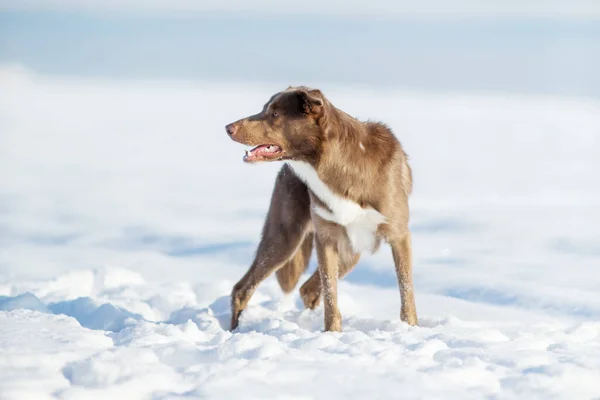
[329, 259]
[274, 250]
[286, 226]
[242, 291]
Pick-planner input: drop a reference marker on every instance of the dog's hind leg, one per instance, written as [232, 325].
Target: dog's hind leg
[288, 222]
[310, 291]
[402, 253]
[289, 275]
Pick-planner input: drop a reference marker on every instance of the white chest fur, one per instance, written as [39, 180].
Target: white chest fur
[360, 223]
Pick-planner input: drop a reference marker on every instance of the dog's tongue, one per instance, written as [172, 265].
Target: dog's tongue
[261, 152]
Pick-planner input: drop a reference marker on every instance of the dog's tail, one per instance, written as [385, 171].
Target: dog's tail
[289, 275]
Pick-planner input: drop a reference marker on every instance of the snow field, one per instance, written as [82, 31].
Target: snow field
[126, 215]
[279, 351]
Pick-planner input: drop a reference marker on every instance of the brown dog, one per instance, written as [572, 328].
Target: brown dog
[345, 187]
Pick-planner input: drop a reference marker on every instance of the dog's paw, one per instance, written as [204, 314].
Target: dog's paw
[310, 297]
[236, 307]
[235, 319]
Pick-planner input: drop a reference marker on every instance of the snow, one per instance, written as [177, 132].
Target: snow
[35, 346]
[126, 215]
[281, 352]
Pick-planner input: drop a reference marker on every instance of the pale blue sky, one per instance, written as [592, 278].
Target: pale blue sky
[525, 54]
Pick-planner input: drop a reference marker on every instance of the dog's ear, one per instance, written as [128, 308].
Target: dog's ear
[311, 100]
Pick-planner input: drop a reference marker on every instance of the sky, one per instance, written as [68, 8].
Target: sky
[550, 47]
[581, 9]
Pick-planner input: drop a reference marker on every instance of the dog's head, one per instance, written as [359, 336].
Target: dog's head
[288, 127]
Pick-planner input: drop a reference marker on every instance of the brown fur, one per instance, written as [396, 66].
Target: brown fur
[359, 161]
[290, 273]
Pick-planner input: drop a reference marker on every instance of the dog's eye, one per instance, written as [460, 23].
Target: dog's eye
[275, 114]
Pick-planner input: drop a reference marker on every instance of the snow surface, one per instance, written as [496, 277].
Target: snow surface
[126, 215]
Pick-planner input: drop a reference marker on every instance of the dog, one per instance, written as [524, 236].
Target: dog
[343, 188]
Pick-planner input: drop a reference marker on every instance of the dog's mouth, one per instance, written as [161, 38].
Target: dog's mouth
[263, 152]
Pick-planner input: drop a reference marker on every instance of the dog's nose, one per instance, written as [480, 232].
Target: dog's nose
[231, 128]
